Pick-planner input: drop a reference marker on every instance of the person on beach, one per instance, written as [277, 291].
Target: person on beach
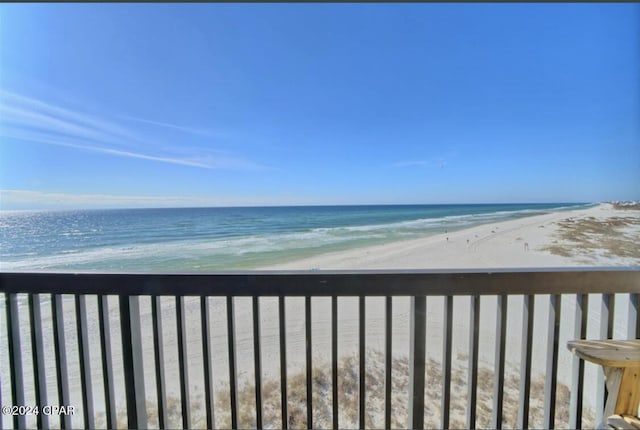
[526, 246]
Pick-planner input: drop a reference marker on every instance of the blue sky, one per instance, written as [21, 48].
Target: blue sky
[121, 105]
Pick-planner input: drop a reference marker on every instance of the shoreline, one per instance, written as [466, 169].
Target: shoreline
[519, 243]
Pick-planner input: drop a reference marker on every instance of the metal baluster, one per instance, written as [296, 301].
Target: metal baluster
[57, 315]
[446, 361]
[84, 361]
[207, 359]
[334, 361]
[362, 371]
[107, 362]
[309, 368]
[417, 361]
[283, 361]
[15, 358]
[183, 362]
[158, 349]
[498, 381]
[552, 362]
[257, 361]
[233, 385]
[474, 332]
[525, 360]
[132, 361]
[388, 361]
[37, 350]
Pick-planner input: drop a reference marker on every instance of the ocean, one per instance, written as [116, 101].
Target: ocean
[233, 238]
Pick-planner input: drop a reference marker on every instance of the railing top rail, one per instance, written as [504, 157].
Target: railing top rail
[332, 283]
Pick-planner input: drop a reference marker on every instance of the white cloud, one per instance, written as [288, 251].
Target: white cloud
[190, 130]
[35, 113]
[34, 120]
[72, 143]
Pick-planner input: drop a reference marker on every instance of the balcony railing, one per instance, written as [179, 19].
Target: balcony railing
[88, 300]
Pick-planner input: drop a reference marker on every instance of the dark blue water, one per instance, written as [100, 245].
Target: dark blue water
[202, 239]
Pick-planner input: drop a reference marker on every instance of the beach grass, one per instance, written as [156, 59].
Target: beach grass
[588, 238]
[374, 418]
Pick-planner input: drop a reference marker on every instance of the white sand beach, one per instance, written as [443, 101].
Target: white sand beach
[550, 242]
[523, 243]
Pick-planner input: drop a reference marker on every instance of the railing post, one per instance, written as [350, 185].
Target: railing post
[552, 362]
[282, 321]
[107, 362]
[156, 315]
[37, 350]
[183, 362]
[417, 354]
[388, 361]
[205, 321]
[257, 360]
[233, 377]
[308, 358]
[132, 361]
[84, 360]
[474, 332]
[233, 384]
[362, 371]
[525, 360]
[577, 380]
[334, 363]
[62, 373]
[498, 377]
[446, 361]
[15, 358]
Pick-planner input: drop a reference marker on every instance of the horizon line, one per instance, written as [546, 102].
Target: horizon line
[304, 205]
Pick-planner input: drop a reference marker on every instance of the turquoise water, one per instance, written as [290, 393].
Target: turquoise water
[205, 239]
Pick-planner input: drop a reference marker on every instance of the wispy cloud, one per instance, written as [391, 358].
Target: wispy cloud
[182, 128]
[73, 143]
[32, 119]
[34, 113]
